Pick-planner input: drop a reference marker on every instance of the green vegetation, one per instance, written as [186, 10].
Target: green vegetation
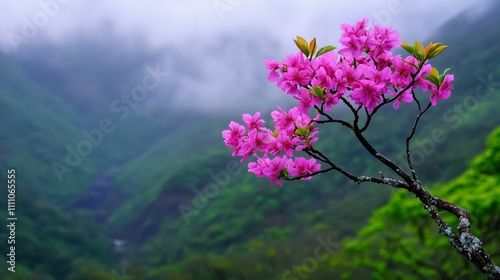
[400, 239]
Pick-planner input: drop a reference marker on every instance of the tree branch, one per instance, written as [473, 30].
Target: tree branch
[408, 139]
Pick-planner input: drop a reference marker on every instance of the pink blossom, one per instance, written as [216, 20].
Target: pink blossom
[299, 76]
[322, 79]
[383, 39]
[307, 100]
[273, 66]
[258, 140]
[405, 97]
[274, 168]
[233, 135]
[296, 70]
[297, 60]
[244, 149]
[368, 93]
[403, 68]
[301, 167]
[328, 61]
[341, 82]
[258, 167]
[286, 143]
[354, 38]
[444, 90]
[331, 100]
[420, 79]
[351, 73]
[253, 122]
[272, 147]
[284, 121]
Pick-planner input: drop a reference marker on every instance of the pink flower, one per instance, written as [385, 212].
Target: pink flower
[382, 39]
[272, 147]
[297, 60]
[299, 76]
[350, 73]
[403, 68]
[257, 168]
[301, 167]
[274, 168]
[284, 121]
[307, 100]
[297, 71]
[233, 135]
[378, 76]
[258, 140]
[273, 66]
[354, 38]
[254, 122]
[444, 90]
[367, 93]
[340, 82]
[405, 97]
[383, 59]
[286, 143]
[322, 79]
[244, 149]
[288, 86]
[420, 79]
[331, 100]
[328, 61]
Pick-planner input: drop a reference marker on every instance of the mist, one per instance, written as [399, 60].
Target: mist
[214, 51]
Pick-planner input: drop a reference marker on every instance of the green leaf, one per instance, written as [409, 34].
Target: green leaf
[275, 133]
[433, 49]
[445, 72]
[408, 48]
[437, 51]
[324, 50]
[433, 80]
[419, 48]
[318, 91]
[302, 45]
[434, 72]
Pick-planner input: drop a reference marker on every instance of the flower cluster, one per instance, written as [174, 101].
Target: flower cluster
[364, 71]
[293, 132]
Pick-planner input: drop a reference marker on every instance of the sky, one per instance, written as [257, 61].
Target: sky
[247, 32]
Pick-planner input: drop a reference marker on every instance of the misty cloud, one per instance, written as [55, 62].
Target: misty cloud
[216, 60]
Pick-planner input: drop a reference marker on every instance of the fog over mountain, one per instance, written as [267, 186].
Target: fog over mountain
[213, 51]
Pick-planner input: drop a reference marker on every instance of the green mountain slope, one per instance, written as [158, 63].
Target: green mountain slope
[401, 239]
[35, 134]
